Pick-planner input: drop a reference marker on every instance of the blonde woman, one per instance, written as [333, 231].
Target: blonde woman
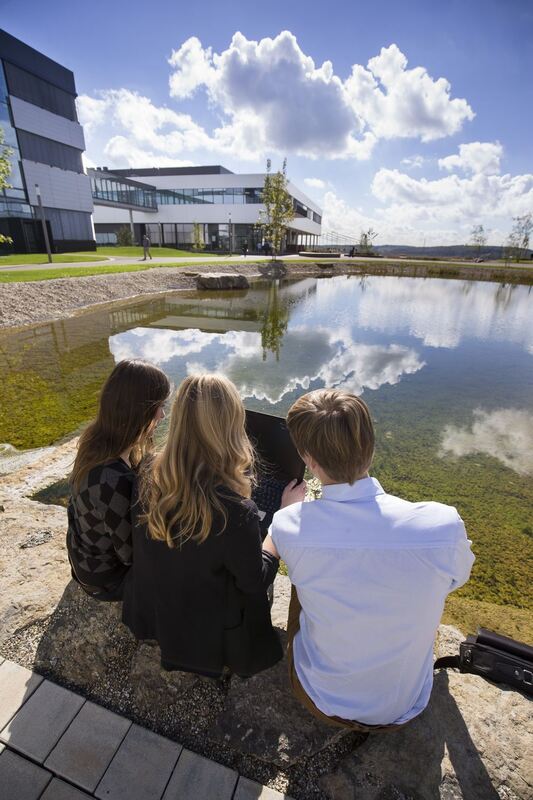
[199, 579]
[109, 452]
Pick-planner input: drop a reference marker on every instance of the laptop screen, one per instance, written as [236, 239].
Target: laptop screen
[273, 444]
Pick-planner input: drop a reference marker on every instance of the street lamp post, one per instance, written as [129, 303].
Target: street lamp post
[43, 222]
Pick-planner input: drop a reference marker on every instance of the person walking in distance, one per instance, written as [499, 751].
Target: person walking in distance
[146, 247]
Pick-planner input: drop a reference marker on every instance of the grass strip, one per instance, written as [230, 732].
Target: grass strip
[40, 258]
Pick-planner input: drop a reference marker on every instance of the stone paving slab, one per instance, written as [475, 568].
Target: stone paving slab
[85, 750]
[59, 790]
[196, 777]
[250, 790]
[17, 684]
[39, 724]
[141, 767]
[20, 779]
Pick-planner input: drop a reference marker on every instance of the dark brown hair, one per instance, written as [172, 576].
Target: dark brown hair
[128, 404]
[335, 429]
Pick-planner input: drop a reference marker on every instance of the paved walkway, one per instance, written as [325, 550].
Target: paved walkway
[55, 745]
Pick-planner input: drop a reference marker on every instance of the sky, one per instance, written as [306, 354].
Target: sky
[412, 118]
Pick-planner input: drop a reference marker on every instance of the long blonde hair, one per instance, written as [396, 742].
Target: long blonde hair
[207, 451]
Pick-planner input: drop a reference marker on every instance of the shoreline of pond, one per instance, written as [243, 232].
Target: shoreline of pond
[28, 303]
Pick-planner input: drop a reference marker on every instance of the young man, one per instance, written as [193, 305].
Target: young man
[370, 574]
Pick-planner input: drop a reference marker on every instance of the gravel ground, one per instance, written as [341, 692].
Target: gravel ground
[40, 301]
[190, 727]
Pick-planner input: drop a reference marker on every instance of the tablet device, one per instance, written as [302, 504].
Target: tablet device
[271, 439]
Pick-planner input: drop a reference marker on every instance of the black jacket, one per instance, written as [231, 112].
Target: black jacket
[205, 604]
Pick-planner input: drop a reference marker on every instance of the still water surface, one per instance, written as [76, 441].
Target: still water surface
[445, 366]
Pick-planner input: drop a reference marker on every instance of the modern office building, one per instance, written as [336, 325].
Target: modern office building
[40, 126]
[181, 205]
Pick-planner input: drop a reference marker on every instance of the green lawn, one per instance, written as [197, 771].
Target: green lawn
[23, 276]
[41, 258]
[157, 252]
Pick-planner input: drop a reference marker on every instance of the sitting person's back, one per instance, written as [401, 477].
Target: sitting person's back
[371, 572]
[198, 584]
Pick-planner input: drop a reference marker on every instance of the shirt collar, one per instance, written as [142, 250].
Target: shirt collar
[363, 489]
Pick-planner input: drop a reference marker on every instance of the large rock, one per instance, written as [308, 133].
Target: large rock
[222, 280]
[473, 742]
[262, 717]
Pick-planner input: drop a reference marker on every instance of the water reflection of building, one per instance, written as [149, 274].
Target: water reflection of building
[53, 372]
[218, 312]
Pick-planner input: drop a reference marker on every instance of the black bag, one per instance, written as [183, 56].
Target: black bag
[495, 658]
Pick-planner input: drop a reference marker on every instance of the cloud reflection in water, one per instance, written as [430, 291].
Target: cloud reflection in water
[505, 434]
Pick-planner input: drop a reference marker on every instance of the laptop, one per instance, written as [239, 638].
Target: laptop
[278, 462]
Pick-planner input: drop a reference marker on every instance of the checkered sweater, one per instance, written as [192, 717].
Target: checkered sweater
[99, 525]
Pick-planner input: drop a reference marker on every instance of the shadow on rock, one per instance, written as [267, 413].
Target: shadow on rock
[85, 646]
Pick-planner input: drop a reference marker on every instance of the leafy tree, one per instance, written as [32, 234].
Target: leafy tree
[478, 238]
[124, 237]
[5, 171]
[518, 241]
[279, 207]
[198, 238]
[365, 240]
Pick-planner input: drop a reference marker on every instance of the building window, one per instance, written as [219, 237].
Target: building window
[38, 92]
[46, 151]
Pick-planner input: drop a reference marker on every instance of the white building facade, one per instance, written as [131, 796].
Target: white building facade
[179, 206]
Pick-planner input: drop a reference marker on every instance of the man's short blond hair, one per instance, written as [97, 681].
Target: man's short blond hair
[335, 429]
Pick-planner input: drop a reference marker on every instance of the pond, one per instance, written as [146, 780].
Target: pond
[445, 366]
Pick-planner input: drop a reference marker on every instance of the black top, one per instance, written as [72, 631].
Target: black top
[205, 604]
[99, 525]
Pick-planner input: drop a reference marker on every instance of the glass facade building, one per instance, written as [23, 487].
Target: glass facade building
[207, 206]
[40, 127]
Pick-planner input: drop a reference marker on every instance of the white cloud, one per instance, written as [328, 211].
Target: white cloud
[398, 102]
[192, 68]
[122, 152]
[452, 199]
[271, 96]
[315, 183]
[414, 162]
[475, 157]
[505, 434]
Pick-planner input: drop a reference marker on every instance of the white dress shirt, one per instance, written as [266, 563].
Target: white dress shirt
[372, 572]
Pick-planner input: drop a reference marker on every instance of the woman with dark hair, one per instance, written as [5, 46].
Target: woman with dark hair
[109, 451]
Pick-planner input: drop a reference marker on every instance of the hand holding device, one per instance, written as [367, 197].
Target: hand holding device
[294, 492]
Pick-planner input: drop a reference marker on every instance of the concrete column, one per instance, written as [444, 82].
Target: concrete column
[132, 229]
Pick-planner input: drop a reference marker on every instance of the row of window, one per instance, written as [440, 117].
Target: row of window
[114, 191]
[66, 224]
[47, 151]
[39, 92]
[304, 211]
[212, 235]
[230, 196]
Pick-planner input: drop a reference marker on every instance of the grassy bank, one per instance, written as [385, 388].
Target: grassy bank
[42, 258]
[24, 276]
[521, 274]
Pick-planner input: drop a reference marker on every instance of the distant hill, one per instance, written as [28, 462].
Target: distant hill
[445, 251]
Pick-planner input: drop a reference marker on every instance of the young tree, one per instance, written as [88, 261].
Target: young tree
[478, 238]
[124, 237]
[520, 235]
[5, 171]
[279, 207]
[198, 238]
[365, 241]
